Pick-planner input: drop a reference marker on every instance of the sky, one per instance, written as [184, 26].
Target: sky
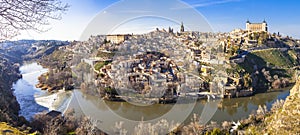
[124, 17]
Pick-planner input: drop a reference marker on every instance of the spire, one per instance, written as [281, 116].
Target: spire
[264, 21]
[248, 21]
[182, 27]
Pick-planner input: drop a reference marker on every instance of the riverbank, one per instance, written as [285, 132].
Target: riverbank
[281, 118]
[195, 96]
[59, 75]
[33, 100]
[53, 81]
[36, 104]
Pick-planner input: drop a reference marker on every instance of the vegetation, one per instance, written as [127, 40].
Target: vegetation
[80, 72]
[57, 60]
[62, 125]
[265, 69]
[271, 58]
[9, 107]
[60, 74]
[56, 80]
[105, 55]
[28, 15]
[247, 81]
[286, 115]
[100, 65]
[275, 57]
[9, 130]
[261, 37]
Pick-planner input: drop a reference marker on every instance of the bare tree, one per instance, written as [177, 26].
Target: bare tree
[88, 126]
[18, 15]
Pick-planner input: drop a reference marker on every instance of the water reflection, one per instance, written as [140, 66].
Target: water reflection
[238, 108]
[228, 109]
[140, 112]
[247, 104]
[25, 90]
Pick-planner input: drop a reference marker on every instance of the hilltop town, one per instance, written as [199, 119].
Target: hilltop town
[185, 63]
[162, 66]
[172, 78]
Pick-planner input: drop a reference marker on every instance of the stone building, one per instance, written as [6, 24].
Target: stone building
[257, 27]
[119, 38]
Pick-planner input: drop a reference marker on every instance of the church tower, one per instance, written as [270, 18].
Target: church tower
[248, 25]
[182, 28]
[265, 26]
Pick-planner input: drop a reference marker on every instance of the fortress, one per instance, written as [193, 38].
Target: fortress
[257, 27]
[118, 38]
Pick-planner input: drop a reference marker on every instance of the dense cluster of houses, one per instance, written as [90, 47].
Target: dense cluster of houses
[165, 59]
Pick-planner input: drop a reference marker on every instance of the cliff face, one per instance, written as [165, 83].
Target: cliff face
[9, 106]
[287, 119]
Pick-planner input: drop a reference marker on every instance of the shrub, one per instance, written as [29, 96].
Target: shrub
[161, 127]
[276, 84]
[194, 127]
[278, 104]
[87, 126]
[216, 131]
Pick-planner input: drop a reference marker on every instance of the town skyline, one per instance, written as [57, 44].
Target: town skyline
[222, 15]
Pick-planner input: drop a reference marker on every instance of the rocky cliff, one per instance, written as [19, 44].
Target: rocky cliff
[9, 107]
[287, 119]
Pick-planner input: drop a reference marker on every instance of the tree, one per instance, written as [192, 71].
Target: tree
[18, 15]
[247, 80]
[198, 43]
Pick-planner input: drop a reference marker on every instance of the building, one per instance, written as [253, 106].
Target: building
[54, 114]
[257, 27]
[117, 39]
[182, 27]
[206, 70]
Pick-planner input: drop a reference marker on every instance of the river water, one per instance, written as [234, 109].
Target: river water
[33, 100]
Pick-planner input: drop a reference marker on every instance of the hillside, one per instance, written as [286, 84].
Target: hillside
[18, 51]
[269, 68]
[271, 58]
[9, 130]
[286, 120]
[278, 58]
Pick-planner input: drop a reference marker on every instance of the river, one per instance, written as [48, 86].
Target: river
[32, 100]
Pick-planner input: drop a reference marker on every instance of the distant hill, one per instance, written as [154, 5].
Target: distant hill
[17, 51]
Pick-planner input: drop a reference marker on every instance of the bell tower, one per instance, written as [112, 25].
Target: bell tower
[182, 27]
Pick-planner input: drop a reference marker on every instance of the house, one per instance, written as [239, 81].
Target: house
[54, 114]
[205, 70]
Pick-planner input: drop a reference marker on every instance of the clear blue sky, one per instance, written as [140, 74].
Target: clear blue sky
[223, 15]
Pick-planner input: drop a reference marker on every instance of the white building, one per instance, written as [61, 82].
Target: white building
[257, 27]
